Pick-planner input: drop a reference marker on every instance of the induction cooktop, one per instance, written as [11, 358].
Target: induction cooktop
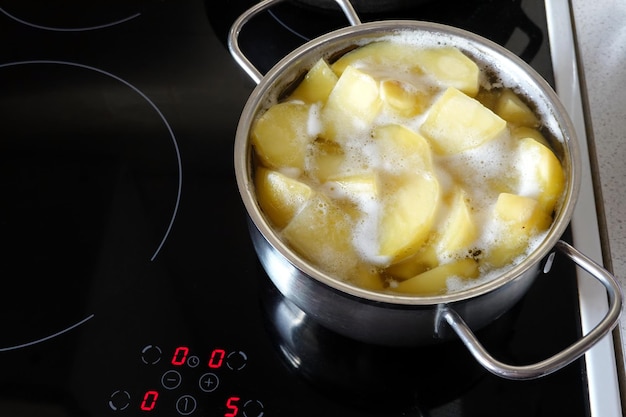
[131, 284]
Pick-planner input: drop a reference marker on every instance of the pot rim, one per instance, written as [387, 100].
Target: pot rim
[518, 74]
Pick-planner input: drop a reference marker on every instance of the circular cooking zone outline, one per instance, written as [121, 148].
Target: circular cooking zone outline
[179, 182]
[284, 25]
[43, 339]
[154, 107]
[77, 29]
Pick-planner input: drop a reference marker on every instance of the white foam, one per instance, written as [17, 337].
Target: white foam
[314, 123]
[483, 172]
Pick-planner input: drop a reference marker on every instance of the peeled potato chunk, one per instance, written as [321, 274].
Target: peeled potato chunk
[451, 68]
[408, 213]
[317, 84]
[401, 149]
[322, 232]
[459, 231]
[543, 177]
[280, 197]
[359, 188]
[521, 212]
[511, 108]
[366, 277]
[520, 218]
[457, 122]
[351, 106]
[280, 135]
[379, 54]
[326, 160]
[434, 281]
[426, 258]
[403, 98]
[521, 132]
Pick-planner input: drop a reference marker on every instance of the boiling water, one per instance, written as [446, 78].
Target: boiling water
[476, 170]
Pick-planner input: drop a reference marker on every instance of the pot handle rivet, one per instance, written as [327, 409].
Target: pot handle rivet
[564, 357]
[235, 30]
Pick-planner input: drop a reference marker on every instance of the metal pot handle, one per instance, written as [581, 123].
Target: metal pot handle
[233, 34]
[566, 356]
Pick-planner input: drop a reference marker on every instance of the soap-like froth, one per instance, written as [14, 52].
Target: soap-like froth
[495, 166]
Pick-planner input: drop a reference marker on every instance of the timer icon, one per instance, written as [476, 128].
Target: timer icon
[193, 361]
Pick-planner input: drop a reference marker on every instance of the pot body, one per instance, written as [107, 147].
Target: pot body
[378, 322]
[385, 318]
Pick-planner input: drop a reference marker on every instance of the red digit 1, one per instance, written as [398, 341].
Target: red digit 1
[217, 356]
[149, 400]
[231, 404]
[180, 355]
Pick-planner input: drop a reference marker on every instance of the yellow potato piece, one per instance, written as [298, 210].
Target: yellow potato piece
[512, 108]
[434, 281]
[367, 277]
[522, 213]
[543, 170]
[357, 188]
[522, 132]
[351, 107]
[426, 258]
[280, 197]
[459, 230]
[326, 160]
[408, 214]
[402, 150]
[322, 232]
[379, 54]
[521, 218]
[451, 68]
[280, 135]
[403, 99]
[317, 84]
[457, 122]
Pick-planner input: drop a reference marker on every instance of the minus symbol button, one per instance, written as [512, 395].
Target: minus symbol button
[171, 380]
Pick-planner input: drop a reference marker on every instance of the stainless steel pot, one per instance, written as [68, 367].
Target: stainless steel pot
[404, 320]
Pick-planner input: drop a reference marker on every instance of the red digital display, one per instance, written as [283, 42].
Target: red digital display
[232, 407]
[149, 400]
[180, 355]
[217, 358]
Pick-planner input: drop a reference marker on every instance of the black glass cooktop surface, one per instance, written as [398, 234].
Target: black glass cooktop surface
[131, 287]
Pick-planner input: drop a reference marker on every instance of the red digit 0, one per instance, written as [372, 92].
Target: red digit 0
[149, 400]
[180, 355]
[217, 357]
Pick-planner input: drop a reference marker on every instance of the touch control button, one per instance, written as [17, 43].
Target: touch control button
[186, 405]
[253, 408]
[171, 379]
[209, 382]
[236, 360]
[119, 400]
[151, 354]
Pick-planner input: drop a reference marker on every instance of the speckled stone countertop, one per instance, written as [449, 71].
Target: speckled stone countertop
[600, 32]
